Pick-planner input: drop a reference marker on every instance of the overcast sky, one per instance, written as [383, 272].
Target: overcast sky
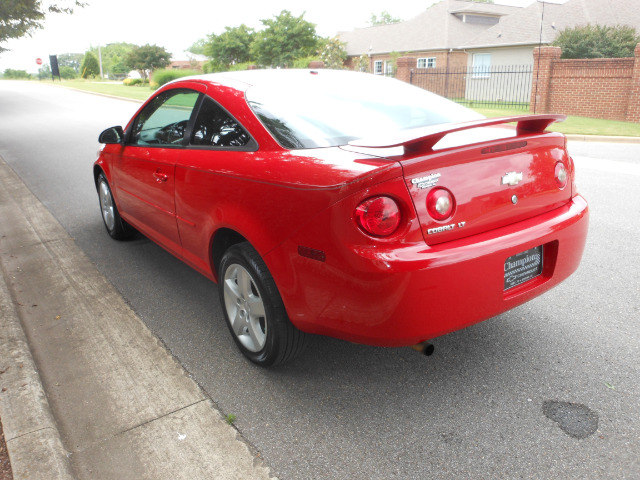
[176, 28]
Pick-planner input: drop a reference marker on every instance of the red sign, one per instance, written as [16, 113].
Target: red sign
[39, 61]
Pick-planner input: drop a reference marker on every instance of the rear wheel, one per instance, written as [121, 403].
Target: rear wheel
[116, 227]
[254, 310]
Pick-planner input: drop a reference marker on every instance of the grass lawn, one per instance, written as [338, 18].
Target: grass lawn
[573, 125]
[117, 89]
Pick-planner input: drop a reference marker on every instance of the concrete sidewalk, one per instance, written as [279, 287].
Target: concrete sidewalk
[86, 391]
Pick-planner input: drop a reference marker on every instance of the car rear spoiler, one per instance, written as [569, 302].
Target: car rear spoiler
[425, 138]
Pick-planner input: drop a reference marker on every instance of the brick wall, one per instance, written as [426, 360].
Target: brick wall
[606, 88]
[439, 83]
[633, 110]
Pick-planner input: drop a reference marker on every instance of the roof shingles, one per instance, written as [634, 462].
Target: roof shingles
[440, 26]
[435, 28]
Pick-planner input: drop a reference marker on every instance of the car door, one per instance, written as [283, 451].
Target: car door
[206, 180]
[144, 173]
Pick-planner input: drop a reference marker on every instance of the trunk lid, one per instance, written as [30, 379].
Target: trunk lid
[496, 174]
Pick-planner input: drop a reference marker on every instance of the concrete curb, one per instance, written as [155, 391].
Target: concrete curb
[30, 431]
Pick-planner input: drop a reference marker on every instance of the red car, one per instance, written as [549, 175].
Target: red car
[344, 204]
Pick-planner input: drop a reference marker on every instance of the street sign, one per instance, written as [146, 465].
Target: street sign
[55, 72]
[39, 61]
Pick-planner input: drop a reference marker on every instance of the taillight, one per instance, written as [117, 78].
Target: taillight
[440, 203]
[378, 216]
[561, 175]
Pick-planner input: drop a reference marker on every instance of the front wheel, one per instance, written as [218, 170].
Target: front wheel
[254, 310]
[116, 227]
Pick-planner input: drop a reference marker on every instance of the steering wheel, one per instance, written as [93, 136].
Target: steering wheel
[173, 133]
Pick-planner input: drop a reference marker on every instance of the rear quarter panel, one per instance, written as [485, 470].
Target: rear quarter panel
[265, 196]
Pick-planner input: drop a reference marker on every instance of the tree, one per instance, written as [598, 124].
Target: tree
[333, 53]
[229, 48]
[385, 18]
[597, 41]
[44, 72]
[20, 17]
[285, 39]
[89, 67]
[198, 47]
[113, 58]
[73, 60]
[147, 59]
[362, 63]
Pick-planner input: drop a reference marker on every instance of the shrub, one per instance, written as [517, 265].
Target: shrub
[68, 73]
[305, 61]
[129, 82]
[597, 41]
[165, 76]
[16, 74]
[241, 66]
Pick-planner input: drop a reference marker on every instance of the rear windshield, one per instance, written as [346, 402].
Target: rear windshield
[328, 109]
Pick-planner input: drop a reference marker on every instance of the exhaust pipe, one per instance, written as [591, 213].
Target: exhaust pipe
[425, 348]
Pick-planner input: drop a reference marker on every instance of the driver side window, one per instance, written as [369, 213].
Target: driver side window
[164, 120]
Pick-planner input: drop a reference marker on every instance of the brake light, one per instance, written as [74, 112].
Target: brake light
[378, 216]
[561, 175]
[440, 203]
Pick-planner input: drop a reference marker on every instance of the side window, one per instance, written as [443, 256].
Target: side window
[164, 120]
[214, 127]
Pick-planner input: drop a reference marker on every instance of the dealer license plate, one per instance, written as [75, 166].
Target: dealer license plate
[522, 267]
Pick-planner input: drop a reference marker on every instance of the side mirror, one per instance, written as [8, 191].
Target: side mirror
[112, 135]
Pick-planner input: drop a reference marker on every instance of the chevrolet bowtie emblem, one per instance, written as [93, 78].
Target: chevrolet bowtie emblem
[512, 178]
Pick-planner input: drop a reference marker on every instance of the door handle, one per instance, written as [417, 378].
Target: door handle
[160, 177]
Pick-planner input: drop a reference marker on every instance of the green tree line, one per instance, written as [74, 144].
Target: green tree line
[286, 41]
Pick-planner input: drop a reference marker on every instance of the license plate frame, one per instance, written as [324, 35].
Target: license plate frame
[522, 267]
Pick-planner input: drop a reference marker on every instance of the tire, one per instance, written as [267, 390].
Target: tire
[116, 227]
[254, 310]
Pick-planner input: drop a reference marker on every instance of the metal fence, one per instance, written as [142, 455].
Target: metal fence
[500, 86]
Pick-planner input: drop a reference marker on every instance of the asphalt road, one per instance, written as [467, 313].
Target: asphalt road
[549, 390]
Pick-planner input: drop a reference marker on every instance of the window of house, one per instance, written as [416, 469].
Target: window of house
[427, 62]
[377, 67]
[481, 65]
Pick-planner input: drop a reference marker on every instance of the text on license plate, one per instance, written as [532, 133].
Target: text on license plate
[522, 267]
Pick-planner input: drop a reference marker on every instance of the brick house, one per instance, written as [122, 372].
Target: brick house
[433, 37]
[514, 38]
[456, 33]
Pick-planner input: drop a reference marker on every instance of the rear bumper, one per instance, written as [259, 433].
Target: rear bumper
[404, 296]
